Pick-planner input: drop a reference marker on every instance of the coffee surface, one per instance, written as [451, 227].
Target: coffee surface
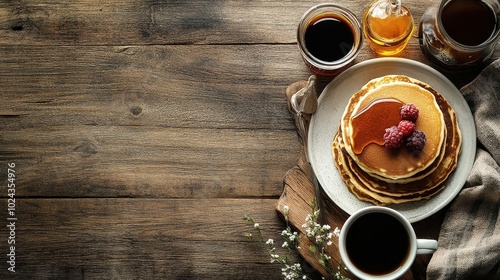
[377, 243]
[329, 38]
[469, 22]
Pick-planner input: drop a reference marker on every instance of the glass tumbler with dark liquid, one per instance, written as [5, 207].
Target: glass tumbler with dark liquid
[460, 33]
[329, 37]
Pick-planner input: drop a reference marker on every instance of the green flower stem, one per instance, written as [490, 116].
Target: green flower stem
[319, 235]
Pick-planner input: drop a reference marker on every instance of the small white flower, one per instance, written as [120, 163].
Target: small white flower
[320, 235]
[319, 239]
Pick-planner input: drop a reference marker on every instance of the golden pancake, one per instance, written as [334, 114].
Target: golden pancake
[362, 192]
[421, 185]
[380, 192]
[374, 158]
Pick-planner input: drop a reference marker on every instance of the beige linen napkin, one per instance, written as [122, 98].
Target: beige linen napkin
[469, 240]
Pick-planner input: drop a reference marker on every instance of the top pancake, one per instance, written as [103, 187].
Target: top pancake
[377, 160]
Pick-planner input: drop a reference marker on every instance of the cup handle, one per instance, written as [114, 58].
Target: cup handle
[426, 246]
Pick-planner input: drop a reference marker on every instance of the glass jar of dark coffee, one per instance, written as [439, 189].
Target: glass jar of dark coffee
[329, 38]
[460, 33]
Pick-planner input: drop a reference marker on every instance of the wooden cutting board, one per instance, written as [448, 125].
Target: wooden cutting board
[298, 193]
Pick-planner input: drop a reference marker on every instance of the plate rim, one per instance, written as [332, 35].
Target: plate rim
[464, 121]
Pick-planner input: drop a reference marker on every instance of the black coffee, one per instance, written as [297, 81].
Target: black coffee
[469, 22]
[377, 243]
[329, 38]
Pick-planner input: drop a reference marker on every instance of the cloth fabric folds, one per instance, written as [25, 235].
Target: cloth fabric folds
[469, 240]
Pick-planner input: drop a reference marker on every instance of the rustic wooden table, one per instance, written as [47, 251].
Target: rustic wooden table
[142, 131]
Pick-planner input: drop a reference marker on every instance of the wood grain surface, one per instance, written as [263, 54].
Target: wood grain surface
[142, 131]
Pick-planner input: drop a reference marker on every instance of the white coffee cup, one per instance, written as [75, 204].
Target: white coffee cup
[379, 243]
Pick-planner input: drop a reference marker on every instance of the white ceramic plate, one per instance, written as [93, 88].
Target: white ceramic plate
[325, 122]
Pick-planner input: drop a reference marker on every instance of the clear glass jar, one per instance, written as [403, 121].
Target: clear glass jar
[388, 26]
[440, 47]
[343, 52]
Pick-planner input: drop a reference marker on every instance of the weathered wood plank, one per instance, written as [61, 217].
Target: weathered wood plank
[141, 239]
[84, 161]
[168, 86]
[152, 22]
[147, 121]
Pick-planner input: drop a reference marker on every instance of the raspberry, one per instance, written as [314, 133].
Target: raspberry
[407, 127]
[409, 112]
[416, 141]
[393, 138]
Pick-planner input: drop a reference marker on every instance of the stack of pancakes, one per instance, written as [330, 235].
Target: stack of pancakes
[376, 174]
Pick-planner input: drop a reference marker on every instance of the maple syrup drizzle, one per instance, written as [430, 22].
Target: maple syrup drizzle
[369, 124]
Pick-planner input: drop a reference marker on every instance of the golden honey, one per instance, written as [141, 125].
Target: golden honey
[388, 26]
